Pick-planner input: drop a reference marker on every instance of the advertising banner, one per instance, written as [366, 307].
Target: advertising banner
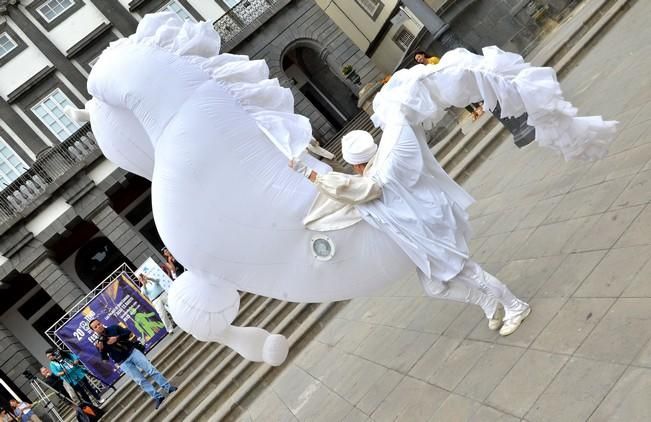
[119, 303]
[154, 272]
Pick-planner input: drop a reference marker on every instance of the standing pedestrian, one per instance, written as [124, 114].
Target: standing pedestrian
[58, 384]
[68, 367]
[151, 288]
[172, 267]
[121, 346]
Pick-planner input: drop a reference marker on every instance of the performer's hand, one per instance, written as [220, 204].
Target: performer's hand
[112, 340]
[300, 167]
[99, 345]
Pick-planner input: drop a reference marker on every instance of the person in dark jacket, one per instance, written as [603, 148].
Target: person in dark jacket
[55, 382]
[121, 346]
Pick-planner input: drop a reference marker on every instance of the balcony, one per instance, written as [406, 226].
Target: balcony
[243, 19]
[51, 169]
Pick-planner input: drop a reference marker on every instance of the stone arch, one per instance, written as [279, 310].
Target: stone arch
[306, 25]
[310, 69]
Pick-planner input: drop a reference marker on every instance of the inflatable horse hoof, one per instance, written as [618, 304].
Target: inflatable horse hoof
[275, 349]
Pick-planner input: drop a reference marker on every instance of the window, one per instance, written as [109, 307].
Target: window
[50, 112]
[34, 304]
[52, 9]
[371, 7]
[11, 166]
[403, 38]
[46, 320]
[181, 12]
[6, 44]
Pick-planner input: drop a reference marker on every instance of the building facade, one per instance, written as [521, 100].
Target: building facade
[68, 217]
[387, 29]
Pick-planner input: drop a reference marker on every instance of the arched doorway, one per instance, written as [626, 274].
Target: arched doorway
[314, 77]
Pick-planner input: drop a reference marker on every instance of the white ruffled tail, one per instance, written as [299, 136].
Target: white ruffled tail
[421, 94]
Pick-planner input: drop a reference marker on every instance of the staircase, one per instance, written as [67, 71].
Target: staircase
[209, 375]
[214, 382]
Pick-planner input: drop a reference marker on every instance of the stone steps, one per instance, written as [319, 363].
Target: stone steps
[220, 386]
[209, 375]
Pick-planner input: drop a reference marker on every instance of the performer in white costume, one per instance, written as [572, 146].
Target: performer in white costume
[213, 134]
[418, 211]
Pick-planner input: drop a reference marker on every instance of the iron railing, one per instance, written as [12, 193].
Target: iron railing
[49, 167]
[243, 18]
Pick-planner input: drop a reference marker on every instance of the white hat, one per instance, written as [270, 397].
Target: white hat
[358, 147]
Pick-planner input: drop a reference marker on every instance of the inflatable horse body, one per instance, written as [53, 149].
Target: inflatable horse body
[213, 135]
[223, 198]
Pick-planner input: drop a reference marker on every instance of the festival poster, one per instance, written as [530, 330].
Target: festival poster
[119, 303]
[154, 272]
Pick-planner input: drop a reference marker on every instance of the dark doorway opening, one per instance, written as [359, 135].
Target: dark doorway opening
[305, 67]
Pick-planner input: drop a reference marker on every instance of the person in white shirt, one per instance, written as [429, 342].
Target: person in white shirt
[422, 210]
[152, 289]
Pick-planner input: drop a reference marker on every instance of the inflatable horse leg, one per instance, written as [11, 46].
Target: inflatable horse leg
[255, 344]
[205, 308]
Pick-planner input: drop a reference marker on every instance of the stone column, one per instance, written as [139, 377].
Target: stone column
[122, 234]
[15, 359]
[56, 283]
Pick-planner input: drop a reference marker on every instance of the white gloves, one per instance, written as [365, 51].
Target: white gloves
[298, 166]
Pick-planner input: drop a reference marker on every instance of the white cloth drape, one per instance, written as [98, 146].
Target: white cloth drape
[421, 94]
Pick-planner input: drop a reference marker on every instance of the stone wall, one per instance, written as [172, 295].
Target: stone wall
[14, 360]
[513, 25]
[304, 21]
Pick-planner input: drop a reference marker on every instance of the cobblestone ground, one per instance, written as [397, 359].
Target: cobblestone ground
[574, 239]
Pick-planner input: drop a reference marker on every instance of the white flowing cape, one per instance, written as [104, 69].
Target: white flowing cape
[422, 209]
[421, 94]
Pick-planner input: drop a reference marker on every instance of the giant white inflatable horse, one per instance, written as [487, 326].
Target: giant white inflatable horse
[213, 135]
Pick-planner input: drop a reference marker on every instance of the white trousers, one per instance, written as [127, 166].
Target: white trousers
[160, 304]
[474, 285]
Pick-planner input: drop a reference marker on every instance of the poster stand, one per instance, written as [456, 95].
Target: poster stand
[116, 300]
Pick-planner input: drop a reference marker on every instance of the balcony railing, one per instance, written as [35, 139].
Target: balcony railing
[245, 17]
[47, 170]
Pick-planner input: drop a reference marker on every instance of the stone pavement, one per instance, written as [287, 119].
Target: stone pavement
[573, 238]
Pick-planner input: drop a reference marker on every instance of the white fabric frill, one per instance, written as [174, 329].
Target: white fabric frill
[421, 94]
[269, 104]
